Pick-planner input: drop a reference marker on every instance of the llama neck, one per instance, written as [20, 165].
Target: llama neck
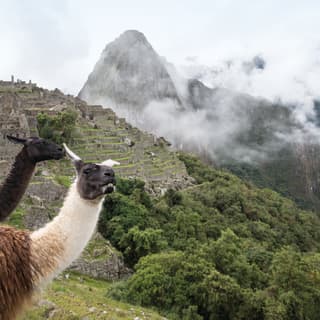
[64, 238]
[16, 183]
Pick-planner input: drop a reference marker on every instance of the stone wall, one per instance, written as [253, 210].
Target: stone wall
[101, 262]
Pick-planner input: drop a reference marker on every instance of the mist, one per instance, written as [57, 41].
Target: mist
[57, 44]
[246, 96]
[215, 131]
[289, 78]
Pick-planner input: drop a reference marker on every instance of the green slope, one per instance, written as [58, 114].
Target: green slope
[73, 296]
[222, 249]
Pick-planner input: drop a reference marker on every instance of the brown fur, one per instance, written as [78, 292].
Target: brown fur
[47, 250]
[17, 272]
[22, 264]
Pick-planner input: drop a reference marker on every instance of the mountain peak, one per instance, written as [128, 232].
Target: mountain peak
[131, 36]
[129, 75]
[130, 40]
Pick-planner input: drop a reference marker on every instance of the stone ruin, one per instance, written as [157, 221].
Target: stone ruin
[100, 133]
[18, 85]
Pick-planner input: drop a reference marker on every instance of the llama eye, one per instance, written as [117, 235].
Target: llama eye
[86, 171]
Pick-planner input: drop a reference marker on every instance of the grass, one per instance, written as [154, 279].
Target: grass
[16, 218]
[73, 296]
[63, 180]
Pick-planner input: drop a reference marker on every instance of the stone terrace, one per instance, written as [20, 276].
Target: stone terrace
[100, 135]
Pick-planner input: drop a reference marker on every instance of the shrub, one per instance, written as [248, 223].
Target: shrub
[58, 128]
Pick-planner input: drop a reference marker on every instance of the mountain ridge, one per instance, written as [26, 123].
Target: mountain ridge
[245, 134]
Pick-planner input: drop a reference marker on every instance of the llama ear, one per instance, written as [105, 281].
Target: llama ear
[78, 163]
[16, 140]
[110, 163]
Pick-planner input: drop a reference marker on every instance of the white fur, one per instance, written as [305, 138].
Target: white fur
[74, 225]
[72, 228]
[110, 163]
[71, 154]
[74, 157]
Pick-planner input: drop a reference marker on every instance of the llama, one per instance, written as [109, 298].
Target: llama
[34, 150]
[29, 261]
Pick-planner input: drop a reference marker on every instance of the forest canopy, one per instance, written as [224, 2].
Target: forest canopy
[222, 249]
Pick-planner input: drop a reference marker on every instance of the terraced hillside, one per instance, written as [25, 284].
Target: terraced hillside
[99, 135]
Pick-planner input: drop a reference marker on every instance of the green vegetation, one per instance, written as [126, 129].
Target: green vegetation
[16, 218]
[74, 297]
[282, 174]
[98, 249]
[58, 128]
[222, 249]
[63, 180]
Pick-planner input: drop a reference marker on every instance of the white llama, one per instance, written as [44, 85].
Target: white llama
[29, 261]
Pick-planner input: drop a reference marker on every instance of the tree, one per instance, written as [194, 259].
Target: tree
[295, 285]
[58, 128]
[171, 281]
[138, 243]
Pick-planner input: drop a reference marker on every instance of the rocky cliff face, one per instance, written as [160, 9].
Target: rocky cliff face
[129, 73]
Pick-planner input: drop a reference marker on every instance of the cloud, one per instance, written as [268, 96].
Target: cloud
[42, 42]
[57, 43]
[290, 78]
[221, 129]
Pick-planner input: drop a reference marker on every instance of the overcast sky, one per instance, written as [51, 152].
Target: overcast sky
[56, 43]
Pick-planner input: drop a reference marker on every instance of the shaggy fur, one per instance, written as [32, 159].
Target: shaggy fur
[28, 261]
[17, 272]
[22, 265]
[70, 231]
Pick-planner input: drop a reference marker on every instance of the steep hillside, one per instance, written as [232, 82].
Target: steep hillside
[98, 135]
[222, 249]
[141, 154]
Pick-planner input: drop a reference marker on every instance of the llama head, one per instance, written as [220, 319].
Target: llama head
[93, 180]
[39, 149]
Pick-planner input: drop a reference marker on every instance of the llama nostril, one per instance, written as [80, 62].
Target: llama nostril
[108, 174]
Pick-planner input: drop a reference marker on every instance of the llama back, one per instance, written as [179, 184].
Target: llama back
[18, 273]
